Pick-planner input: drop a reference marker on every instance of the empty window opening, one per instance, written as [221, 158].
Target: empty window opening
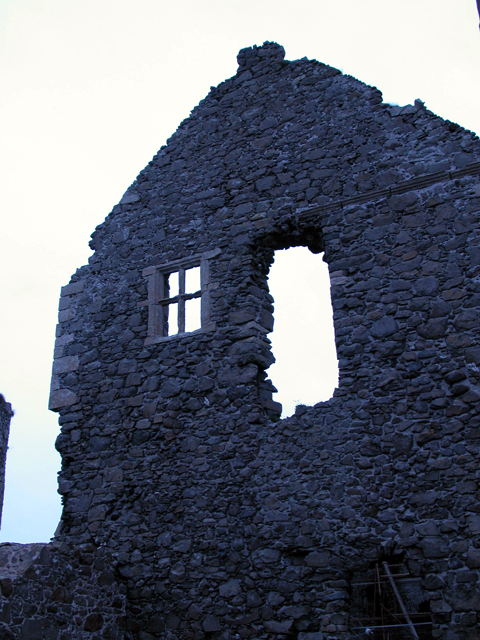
[303, 340]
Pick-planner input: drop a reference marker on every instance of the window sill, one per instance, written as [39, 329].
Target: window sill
[208, 328]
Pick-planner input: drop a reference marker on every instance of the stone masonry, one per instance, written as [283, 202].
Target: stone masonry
[6, 414]
[190, 509]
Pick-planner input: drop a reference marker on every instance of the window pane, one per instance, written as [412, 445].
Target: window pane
[192, 280]
[172, 318]
[173, 284]
[192, 315]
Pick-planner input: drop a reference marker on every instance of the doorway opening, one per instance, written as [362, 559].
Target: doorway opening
[303, 339]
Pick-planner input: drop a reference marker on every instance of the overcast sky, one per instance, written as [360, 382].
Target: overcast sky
[90, 89]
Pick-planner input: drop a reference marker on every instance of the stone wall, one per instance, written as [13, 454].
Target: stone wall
[219, 519]
[6, 414]
[56, 592]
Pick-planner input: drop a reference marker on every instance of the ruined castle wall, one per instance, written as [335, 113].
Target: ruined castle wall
[57, 592]
[223, 520]
[6, 414]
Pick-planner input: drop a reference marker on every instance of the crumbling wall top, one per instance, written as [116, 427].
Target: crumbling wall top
[270, 53]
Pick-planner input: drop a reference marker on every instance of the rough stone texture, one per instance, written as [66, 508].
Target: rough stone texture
[6, 414]
[15, 558]
[216, 518]
[55, 592]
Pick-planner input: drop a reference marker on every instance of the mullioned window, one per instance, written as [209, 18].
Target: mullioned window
[179, 297]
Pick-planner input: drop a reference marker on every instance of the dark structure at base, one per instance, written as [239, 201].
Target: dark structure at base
[191, 510]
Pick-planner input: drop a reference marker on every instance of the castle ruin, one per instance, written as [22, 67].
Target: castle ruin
[190, 509]
[6, 414]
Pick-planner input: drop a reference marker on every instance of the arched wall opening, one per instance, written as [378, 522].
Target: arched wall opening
[303, 339]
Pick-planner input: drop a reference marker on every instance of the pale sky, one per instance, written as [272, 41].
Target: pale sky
[90, 91]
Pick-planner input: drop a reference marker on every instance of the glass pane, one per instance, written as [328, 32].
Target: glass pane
[172, 319]
[192, 315]
[173, 284]
[192, 280]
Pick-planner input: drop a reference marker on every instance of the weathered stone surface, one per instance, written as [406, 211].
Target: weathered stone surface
[474, 524]
[318, 559]
[384, 327]
[211, 624]
[50, 589]
[282, 627]
[72, 288]
[473, 558]
[93, 622]
[230, 589]
[32, 630]
[61, 398]
[15, 559]
[6, 414]
[65, 364]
